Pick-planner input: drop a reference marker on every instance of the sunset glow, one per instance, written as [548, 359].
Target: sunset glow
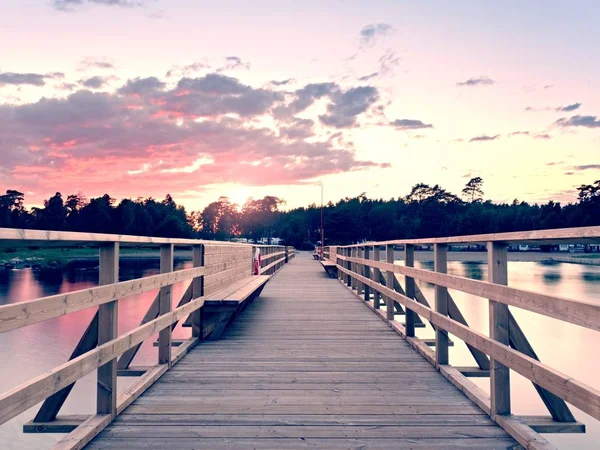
[140, 99]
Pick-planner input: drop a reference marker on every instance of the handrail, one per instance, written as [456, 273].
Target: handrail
[217, 266]
[578, 235]
[362, 270]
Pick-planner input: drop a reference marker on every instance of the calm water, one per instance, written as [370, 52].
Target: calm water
[35, 349]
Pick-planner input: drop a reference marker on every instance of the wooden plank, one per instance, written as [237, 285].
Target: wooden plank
[20, 314]
[441, 304]
[129, 395]
[499, 330]
[165, 306]
[585, 314]
[572, 235]
[305, 443]
[106, 382]
[84, 433]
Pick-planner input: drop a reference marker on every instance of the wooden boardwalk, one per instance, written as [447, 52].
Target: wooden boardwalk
[305, 366]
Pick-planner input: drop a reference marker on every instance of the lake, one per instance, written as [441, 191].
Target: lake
[30, 351]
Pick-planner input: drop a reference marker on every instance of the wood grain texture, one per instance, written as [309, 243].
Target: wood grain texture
[289, 372]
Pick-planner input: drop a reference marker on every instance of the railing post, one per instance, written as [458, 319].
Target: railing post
[360, 269]
[440, 256]
[499, 330]
[409, 261]
[106, 391]
[366, 272]
[164, 305]
[389, 281]
[376, 276]
[287, 257]
[354, 268]
[348, 267]
[197, 290]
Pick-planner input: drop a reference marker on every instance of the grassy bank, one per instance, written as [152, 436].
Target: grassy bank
[60, 257]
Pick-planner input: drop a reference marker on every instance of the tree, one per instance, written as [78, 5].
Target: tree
[259, 217]
[473, 190]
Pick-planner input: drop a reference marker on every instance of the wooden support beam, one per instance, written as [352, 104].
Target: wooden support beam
[354, 268]
[472, 372]
[198, 290]
[106, 392]
[61, 424]
[133, 371]
[440, 256]
[164, 305]
[52, 405]
[556, 406]
[409, 261]
[545, 424]
[499, 330]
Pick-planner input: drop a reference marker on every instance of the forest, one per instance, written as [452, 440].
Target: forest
[427, 211]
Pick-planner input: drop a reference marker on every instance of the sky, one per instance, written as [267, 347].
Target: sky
[140, 98]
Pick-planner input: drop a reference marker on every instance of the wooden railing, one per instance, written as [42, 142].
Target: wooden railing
[371, 274]
[216, 266]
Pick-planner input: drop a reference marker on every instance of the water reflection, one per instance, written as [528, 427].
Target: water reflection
[551, 277]
[473, 269]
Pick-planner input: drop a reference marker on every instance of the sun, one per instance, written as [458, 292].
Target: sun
[239, 195]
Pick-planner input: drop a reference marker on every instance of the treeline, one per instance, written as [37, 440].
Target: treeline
[427, 211]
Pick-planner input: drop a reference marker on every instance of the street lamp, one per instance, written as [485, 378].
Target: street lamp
[322, 230]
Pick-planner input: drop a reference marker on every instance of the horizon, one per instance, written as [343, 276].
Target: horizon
[193, 101]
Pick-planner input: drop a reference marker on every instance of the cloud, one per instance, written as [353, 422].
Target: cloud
[95, 82]
[31, 79]
[298, 129]
[477, 81]
[282, 82]
[410, 124]
[370, 32]
[554, 163]
[95, 63]
[188, 69]
[519, 133]
[206, 130]
[141, 86]
[579, 121]
[234, 62]
[569, 108]
[346, 106]
[484, 138]
[304, 98]
[542, 136]
[388, 62]
[368, 77]
[70, 5]
[587, 167]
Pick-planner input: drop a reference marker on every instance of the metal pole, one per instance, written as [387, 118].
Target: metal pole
[322, 231]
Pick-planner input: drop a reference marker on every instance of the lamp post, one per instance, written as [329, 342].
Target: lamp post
[322, 230]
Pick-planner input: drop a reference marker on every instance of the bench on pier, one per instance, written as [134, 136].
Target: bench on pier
[222, 307]
[330, 267]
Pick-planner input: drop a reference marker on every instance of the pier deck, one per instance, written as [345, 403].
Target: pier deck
[306, 365]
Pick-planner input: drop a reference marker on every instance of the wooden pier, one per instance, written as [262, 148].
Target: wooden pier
[304, 366]
[295, 359]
